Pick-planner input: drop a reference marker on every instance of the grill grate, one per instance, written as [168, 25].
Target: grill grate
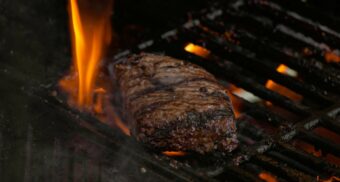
[247, 40]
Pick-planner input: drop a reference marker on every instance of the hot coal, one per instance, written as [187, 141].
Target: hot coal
[175, 105]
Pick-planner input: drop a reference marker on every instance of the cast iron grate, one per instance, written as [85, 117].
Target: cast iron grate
[247, 40]
[280, 138]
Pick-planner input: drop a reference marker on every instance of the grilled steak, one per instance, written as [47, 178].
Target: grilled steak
[175, 105]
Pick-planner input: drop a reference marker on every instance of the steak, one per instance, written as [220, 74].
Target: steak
[175, 105]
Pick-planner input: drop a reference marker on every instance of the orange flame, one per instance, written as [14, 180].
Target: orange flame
[234, 93]
[174, 153]
[236, 105]
[331, 57]
[283, 69]
[121, 125]
[98, 103]
[267, 177]
[90, 33]
[197, 50]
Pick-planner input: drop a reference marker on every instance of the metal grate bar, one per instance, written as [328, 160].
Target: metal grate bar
[321, 142]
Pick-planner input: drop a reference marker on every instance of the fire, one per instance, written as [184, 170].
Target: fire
[311, 149]
[91, 34]
[98, 103]
[332, 57]
[112, 118]
[267, 177]
[174, 153]
[197, 50]
[121, 125]
[286, 70]
[283, 69]
[235, 92]
[236, 105]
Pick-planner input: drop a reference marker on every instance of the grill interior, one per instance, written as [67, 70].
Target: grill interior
[247, 40]
[280, 138]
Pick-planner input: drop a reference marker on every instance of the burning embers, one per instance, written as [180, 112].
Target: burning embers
[270, 84]
[283, 69]
[91, 34]
[197, 50]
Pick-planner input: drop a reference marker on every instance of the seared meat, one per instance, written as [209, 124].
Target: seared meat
[175, 105]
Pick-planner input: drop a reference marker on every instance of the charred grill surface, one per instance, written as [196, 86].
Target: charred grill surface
[285, 139]
[243, 43]
[175, 105]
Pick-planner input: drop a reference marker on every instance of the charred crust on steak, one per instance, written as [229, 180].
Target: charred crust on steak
[175, 105]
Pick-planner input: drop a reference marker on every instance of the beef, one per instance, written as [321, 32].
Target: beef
[175, 105]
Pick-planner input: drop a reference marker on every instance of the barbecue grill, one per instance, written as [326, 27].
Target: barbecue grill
[244, 42]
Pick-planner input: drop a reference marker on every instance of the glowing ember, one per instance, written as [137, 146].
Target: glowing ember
[234, 91]
[246, 95]
[283, 69]
[332, 57]
[267, 177]
[286, 70]
[91, 33]
[308, 148]
[174, 153]
[197, 50]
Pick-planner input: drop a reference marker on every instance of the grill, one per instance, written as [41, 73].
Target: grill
[281, 139]
[247, 40]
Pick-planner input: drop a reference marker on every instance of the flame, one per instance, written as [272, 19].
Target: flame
[112, 118]
[174, 153]
[197, 50]
[267, 177]
[235, 93]
[283, 69]
[311, 149]
[121, 125]
[286, 70]
[236, 103]
[332, 57]
[98, 103]
[91, 34]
